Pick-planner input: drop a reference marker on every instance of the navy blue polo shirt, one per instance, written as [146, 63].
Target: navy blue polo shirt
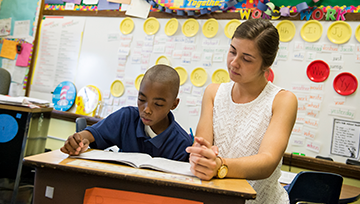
[125, 129]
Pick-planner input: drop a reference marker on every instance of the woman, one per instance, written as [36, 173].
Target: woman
[251, 118]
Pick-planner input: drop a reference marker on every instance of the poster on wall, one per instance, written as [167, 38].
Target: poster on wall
[345, 138]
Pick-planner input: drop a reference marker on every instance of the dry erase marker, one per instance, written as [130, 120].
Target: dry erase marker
[297, 153]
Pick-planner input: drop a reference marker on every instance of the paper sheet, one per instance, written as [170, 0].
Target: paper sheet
[8, 49]
[23, 58]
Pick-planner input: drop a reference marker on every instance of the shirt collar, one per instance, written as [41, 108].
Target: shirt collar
[160, 138]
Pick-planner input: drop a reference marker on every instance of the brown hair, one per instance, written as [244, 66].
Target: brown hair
[264, 34]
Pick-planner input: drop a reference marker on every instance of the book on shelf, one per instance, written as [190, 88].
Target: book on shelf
[139, 160]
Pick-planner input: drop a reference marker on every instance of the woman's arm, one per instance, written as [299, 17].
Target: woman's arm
[204, 128]
[271, 150]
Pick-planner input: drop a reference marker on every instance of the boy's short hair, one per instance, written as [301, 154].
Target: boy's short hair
[164, 74]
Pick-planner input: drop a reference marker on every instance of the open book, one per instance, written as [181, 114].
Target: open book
[139, 160]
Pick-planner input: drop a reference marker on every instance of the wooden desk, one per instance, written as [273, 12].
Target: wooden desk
[23, 132]
[70, 182]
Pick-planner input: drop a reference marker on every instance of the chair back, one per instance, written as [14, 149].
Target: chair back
[80, 124]
[5, 80]
[317, 187]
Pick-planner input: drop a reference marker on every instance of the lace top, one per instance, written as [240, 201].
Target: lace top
[239, 130]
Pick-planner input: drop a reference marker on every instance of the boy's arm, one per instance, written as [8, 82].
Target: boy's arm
[77, 143]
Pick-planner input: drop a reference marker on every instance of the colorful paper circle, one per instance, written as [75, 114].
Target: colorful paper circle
[220, 76]
[87, 99]
[198, 76]
[171, 27]
[318, 71]
[269, 75]
[345, 84]
[64, 96]
[190, 27]
[182, 74]
[138, 81]
[210, 28]
[151, 26]
[127, 26]
[117, 88]
[286, 30]
[357, 33]
[163, 60]
[8, 128]
[231, 27]
[339, 32]
[311, 31]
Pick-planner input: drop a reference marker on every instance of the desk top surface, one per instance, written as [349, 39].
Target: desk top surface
[25, 109]
[58, 160]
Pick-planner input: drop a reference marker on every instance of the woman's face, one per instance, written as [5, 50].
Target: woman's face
[244, 61]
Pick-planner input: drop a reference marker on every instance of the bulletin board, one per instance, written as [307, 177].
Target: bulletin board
[106, 54]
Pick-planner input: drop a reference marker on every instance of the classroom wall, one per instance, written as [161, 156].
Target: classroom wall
[100, 63]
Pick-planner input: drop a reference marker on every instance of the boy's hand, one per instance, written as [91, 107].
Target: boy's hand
[75, 144]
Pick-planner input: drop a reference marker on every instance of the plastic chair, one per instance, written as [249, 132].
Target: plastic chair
[5, 80]
[315, 187]
[80, 124]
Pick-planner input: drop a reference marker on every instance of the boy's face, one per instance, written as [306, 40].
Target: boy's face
[155, 100]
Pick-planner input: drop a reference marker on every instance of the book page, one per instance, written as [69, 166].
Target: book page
[167, 165]
[131, 158]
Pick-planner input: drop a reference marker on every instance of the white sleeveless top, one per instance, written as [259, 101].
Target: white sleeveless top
[239, 130]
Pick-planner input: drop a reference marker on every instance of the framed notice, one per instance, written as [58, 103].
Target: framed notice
[345, 138]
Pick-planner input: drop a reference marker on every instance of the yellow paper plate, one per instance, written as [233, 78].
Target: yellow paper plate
[198, 76]
[163, 60]
[127, 26]
[171, 27]
[210, 28]
[357, 33]
[138, 81]
[231, 27]
[220, 76]
[151, 26]
[182, 74]
[286, 30]
[339, 32]
[117, 88]
[311, 31]
[190, 27]
[87, 100]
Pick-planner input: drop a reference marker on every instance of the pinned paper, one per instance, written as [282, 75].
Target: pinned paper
[311, 122]
[297, 140]
[330, 48]
[138, 8]
[313, 47]
[194, 111]
[300, 118]
[109, 5]
[191, 101]
[342, 111]
[23, 58]
[339, 100]
[299, 55]
[90, 1]
[336, 57]
[21, 29]
[310, 56]
[313, 146]
[309, 133]
[5, 26]
[8, 49]
[297, 129]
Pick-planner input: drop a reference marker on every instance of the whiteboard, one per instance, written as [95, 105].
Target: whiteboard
[98, 65]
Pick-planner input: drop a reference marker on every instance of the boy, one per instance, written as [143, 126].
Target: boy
[150, 128]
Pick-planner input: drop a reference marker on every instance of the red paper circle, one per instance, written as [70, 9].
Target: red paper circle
[318, 71]
[269, 75]
[345, 84]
